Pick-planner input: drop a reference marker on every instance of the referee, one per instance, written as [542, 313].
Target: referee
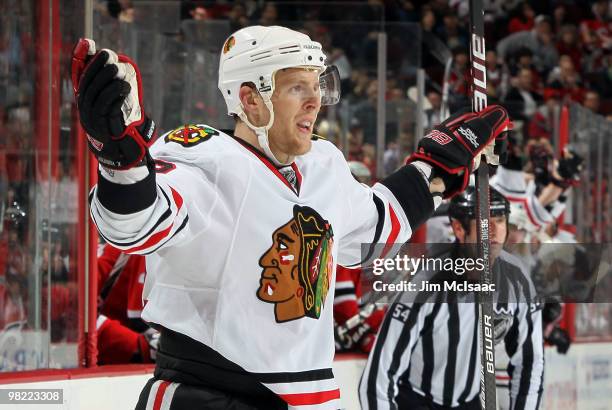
[427, 353]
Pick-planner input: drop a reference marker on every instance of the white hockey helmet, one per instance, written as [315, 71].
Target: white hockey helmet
[254, 54]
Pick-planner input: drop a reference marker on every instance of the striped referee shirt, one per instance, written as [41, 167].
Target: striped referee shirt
[434, 348]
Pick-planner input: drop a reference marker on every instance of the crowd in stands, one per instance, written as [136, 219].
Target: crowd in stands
[540, 54]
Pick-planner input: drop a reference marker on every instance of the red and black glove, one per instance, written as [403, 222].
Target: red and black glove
[569, 169]
[453, 148]
[541, 158]
[108, 92]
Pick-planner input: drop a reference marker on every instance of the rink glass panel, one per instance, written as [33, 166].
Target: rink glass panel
[38, 186]
[590, 208]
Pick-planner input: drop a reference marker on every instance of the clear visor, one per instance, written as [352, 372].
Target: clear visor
[329, 81]
[328, 90]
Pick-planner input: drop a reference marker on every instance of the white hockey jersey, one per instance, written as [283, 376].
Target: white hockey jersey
[242, 258]
[516, 189]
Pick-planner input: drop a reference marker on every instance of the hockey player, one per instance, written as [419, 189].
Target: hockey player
[541, 193]
[243, 229]
[123, 337]
[427, 353]
[354, 328]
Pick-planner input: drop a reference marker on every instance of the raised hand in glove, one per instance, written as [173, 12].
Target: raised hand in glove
[541, 158]
[108, 91]
[453, 148]
[568, 169]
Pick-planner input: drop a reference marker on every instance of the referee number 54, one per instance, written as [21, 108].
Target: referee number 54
[400, 312]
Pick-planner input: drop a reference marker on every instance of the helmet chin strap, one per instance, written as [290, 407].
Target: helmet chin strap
[262, 132]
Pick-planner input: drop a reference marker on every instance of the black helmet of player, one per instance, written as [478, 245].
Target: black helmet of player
[463, 207]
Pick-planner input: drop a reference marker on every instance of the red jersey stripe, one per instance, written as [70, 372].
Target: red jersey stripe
[395, 228]
[159, 397]
[156, 238]
[527, 209]
[303, 399]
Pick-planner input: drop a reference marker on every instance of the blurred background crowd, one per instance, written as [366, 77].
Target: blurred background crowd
[541, 55]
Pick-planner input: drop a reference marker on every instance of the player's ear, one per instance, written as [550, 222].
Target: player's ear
[253, 105]
[458, 230]
[249, 97]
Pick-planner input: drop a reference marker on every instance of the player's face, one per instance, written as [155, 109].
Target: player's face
[296, 101]
[279, 279]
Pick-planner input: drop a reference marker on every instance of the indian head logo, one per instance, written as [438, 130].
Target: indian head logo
[190, 135]
[231, 42]
[297, 268]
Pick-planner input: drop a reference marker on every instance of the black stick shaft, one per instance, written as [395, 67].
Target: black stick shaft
[486, 316]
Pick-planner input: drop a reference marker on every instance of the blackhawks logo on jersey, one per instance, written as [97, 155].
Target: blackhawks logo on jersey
[190, 135]
[297, 268]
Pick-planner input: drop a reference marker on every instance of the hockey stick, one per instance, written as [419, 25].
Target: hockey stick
[488, 399]
[444, 109]
[443, 54]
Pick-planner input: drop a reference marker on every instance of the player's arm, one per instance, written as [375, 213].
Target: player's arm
[118, 344]
[512, 184]
[525, 347]
[137, 227]
[135, 209]
[390, 356]
[543, 205]
[390, 211]
[110, 260]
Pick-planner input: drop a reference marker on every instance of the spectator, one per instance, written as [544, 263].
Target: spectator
[366, 112]
[524, 59]
[597, 31]
[451, 33]
[541, 124]
[269, 15]
[521, 101]
[428, 24]
[459, 80]
[596, 34]
[357, 150]
[591, 101]
[336, 55]
[523, 21]
[602, 79]
[123, 10]
[538, 40]
[569, 45]
[560, 18]
[238, 16]
[566, 80]
[199, 13]
[496, 76]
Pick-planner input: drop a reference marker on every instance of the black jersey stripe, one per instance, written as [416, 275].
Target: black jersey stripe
[167, 214]
[451, 361]
[293, 377]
